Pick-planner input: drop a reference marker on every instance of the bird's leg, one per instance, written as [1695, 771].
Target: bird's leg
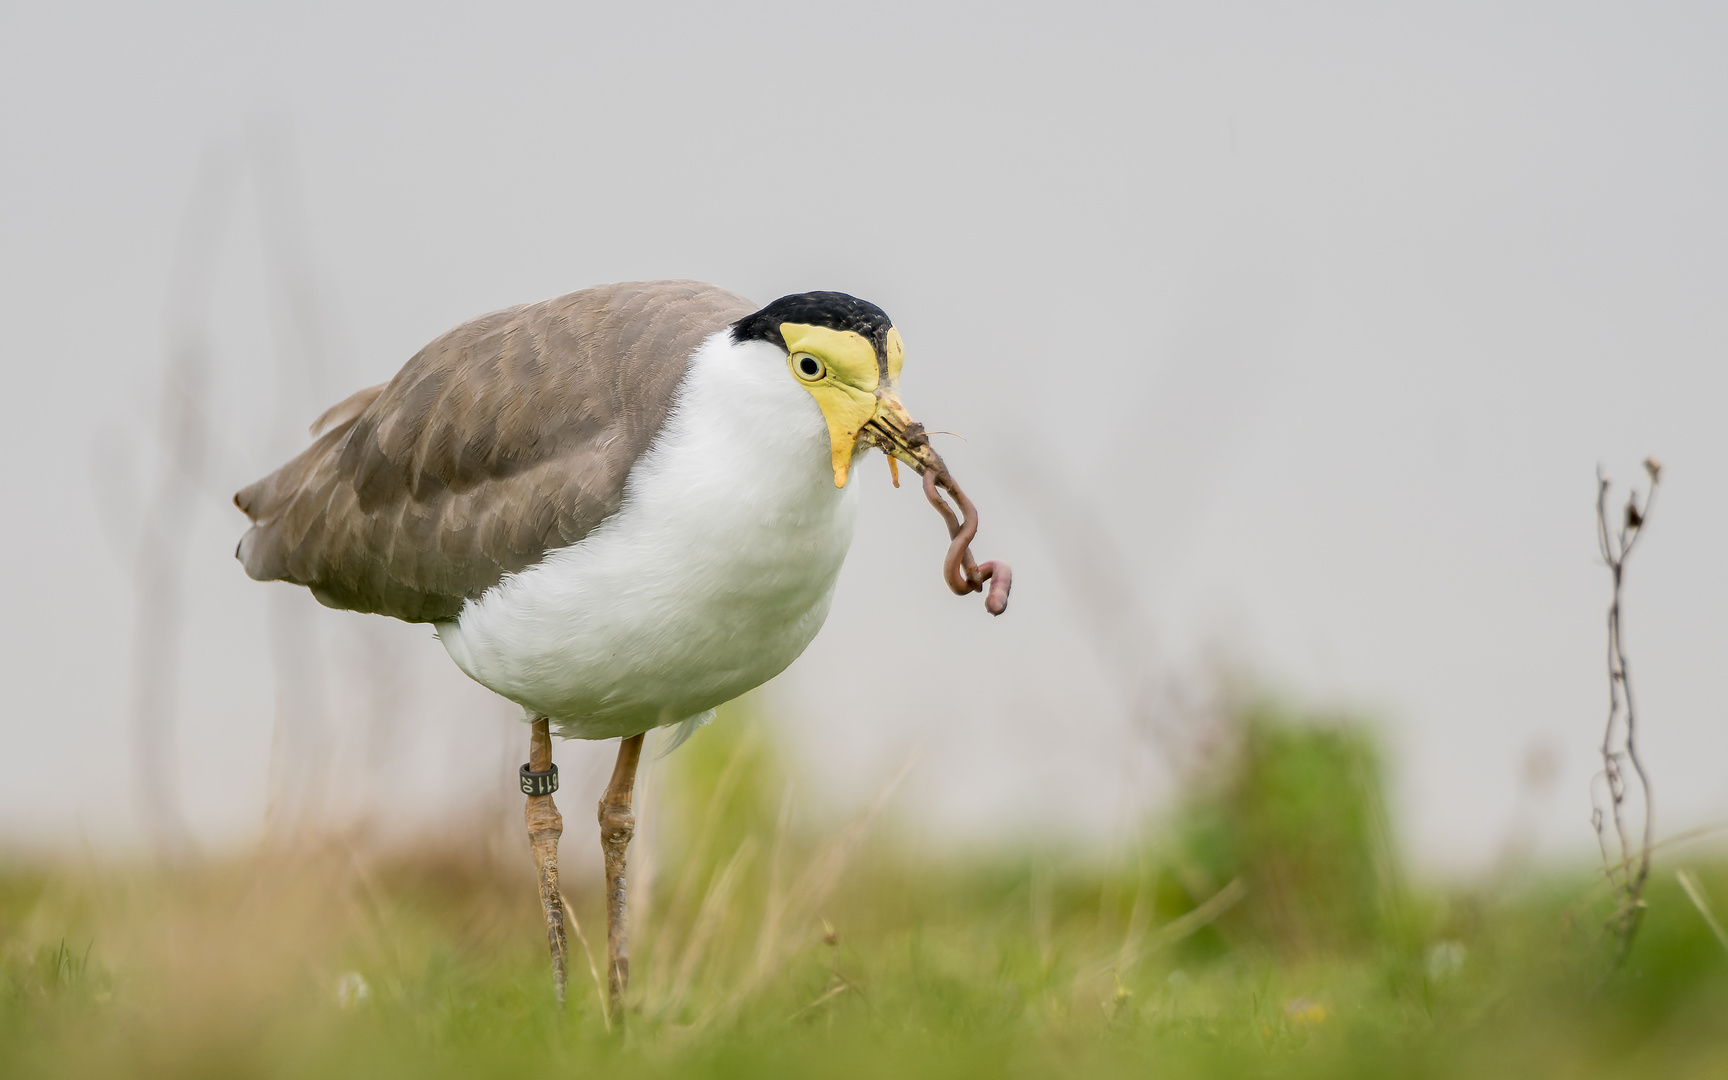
[545, 826]
[617, 826]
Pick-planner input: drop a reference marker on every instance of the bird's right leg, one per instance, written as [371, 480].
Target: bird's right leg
[617, 826]
[545, 826]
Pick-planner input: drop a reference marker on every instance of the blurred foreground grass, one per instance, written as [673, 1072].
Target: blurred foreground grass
[1266, 929]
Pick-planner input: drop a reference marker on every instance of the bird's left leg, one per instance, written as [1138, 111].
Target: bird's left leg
[617, 826]
[545, 826]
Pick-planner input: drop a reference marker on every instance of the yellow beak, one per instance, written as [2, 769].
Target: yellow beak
[892, 430]
[869, 420]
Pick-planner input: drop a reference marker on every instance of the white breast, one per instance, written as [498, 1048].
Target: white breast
[713, 576]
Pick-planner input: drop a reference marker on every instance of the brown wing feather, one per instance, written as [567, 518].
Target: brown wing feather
[506, 438]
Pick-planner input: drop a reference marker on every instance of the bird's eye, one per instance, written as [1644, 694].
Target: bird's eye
[809, 368]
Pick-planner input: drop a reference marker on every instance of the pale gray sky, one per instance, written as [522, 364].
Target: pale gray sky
[1326, 313]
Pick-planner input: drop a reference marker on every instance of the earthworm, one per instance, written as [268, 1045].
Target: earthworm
[962, 574]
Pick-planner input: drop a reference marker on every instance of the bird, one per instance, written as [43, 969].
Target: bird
[618, 508]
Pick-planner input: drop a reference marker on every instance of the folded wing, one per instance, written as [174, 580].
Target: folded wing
[508, 437]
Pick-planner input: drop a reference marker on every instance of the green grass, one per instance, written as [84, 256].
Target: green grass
[766, 951]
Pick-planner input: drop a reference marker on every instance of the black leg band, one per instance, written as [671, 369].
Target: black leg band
[539, 783]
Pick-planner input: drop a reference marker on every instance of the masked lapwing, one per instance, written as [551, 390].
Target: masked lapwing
[619, 509]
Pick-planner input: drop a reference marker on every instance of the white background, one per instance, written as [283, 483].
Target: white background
[1321, 316]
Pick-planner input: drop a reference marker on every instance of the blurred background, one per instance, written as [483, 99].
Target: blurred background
[1285, 345]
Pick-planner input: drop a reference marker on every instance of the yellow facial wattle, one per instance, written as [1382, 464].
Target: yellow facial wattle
[846, 388]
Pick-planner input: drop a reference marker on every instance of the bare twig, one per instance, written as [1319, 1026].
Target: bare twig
[1628, 873]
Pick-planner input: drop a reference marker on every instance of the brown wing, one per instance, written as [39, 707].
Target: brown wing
[505, 438]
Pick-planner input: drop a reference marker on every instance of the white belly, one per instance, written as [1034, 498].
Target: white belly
[712, 578]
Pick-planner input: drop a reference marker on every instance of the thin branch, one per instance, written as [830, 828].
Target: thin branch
[1628, 873]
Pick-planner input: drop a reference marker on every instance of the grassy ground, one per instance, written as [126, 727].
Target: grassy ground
[1265, 931]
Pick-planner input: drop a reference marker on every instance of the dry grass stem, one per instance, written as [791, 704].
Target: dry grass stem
[679, 907]
[1138, 918]
[1695, 893]
[774, 908]
[575, 925]
[709, 917]
[805, 897]
[834, 990]
[1138, 948]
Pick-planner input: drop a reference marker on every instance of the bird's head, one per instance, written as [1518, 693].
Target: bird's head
[847, 354]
